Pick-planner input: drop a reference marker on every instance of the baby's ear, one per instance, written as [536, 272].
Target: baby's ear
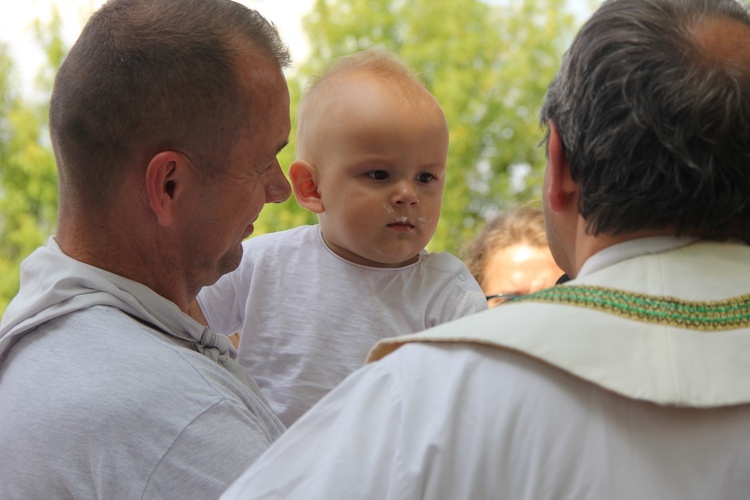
[304, 182]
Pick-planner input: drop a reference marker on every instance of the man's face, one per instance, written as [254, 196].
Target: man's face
[519, 269]
[229, 203]
[382, 174]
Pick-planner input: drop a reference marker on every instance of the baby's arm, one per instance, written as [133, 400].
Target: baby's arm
[219, 307]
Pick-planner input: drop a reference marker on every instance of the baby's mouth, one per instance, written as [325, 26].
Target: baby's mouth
[402, 224]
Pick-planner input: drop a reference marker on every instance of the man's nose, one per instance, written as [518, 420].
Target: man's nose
[277, 187]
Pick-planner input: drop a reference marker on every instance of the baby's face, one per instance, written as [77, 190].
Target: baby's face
[381, 174]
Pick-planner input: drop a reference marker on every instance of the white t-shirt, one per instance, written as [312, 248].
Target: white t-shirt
[309, 317]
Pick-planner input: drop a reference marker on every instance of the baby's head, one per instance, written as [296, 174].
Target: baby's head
[371, 149]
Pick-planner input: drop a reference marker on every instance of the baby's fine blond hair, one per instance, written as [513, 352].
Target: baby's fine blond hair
[377, 62]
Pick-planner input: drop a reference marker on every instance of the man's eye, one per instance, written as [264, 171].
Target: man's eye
[378, 175]
[426, 177]
[262, 170]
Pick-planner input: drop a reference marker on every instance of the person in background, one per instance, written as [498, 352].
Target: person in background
[372, 144]
[166, 118]
[632, 379]
[510, 257]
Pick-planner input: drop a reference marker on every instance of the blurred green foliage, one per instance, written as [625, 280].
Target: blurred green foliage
[488, 64]
[28, 180]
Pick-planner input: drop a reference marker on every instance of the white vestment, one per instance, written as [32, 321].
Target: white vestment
[633, 383]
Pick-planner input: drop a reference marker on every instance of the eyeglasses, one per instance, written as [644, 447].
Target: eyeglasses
[500, 298]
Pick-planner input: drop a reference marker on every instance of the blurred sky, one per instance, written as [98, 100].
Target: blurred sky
[16, 17]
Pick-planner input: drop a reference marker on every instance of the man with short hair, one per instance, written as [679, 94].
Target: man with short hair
[630, 381]
[166, 118]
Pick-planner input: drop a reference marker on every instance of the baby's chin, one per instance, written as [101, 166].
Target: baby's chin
[395, 261]
[399, 254]
[384, 254]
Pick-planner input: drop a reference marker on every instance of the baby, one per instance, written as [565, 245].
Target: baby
[371, 150]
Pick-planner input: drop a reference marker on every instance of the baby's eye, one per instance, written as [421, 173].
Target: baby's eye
[378, 175]
[426, 177]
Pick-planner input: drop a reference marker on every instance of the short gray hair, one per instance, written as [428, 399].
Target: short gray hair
[656, 130]
[148, 74]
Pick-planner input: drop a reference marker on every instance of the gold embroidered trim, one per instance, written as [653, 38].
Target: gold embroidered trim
[716, 315]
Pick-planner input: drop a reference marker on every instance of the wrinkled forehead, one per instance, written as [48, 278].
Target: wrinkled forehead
[263, 93]
[260, 78]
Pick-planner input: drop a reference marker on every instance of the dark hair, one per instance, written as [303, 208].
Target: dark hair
[522, 225]
[148, 75]
[655, 127]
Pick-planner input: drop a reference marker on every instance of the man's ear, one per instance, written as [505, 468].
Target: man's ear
[561, 190]
[163, 184]
[303, 176]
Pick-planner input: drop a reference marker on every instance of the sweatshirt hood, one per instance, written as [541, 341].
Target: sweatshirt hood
[53, 285]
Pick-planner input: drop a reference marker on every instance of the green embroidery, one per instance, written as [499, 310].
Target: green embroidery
[726, 314]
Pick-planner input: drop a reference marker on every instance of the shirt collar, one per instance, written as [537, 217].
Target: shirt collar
[632, 248]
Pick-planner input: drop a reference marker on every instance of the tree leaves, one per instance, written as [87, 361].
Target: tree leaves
[28, 179]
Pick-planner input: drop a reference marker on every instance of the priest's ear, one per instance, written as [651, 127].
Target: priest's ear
[559, 188]
[304, 180]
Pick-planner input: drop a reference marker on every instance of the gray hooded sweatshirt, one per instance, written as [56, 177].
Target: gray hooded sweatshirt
[108, 390]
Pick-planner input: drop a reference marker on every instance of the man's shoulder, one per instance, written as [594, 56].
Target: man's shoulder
[97, 382]
[103, 349]
[118, 368]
